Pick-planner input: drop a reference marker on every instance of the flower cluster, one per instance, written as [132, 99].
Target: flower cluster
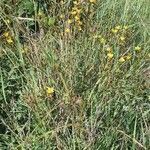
[116, 42]
[8, 37]
[74, 19]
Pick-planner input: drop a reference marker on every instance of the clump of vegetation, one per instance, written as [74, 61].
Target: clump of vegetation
[74, 74]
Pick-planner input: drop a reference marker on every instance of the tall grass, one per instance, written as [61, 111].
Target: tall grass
[100, 80]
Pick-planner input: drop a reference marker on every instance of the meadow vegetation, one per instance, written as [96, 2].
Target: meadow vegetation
[74, 75]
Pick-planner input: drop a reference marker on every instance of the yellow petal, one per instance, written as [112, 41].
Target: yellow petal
[102, 40]
[137, 48]
[114, 30]
[125, 27]
[128, 57]
[122, 59]
[92, 1]
[69, 21]
[109, 49]
[122, 38]
[118, 27]
[50, 90]
[67, 30]
[110, 55]
[6, 34]
[9, 40]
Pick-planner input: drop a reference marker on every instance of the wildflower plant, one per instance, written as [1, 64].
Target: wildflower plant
[74, 74]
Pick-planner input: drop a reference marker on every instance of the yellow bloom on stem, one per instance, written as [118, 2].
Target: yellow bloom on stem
[122, 38]
[137, 48]
[128, 57]
[114, 30]
[99, 36]
[77, 18]
[74, 8]
[118, 27]
[8, 21]
[67, 30]
[79, 22]
[50, 90]
[102, 40]
[109, 49]
[92, 1]
[40, 13]
[6, 34]
[62, 16]
[125, 27]
[95, 36]
[75, 3]
[9, 40]
[69, 21]
[62, 2]
[25, 49]
[122, 60]
[73, 12]
[79, 28]
[110, 55]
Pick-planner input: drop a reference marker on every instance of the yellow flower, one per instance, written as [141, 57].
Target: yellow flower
[62, 2]
[77, 18]
[9, 40]
[122, 38]
[69, 21]
[67, 30]
[102, 40]
[79, 28]
[92, 1]
[6, 34]
[73, 12]
[95, 36]
[8, 21]
[75, 3]
[114, 30]
[79, 22]
[109, 49]
[62, 16]
[122, 59]
[125, 27]
[99, 36]
[118, 27]
[40, 13]
[137, 48]
[50, 90]
[25, 49]
[128, 57]
[74, 8]
[110, 55]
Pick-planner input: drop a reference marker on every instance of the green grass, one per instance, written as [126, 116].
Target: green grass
[98, 103]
